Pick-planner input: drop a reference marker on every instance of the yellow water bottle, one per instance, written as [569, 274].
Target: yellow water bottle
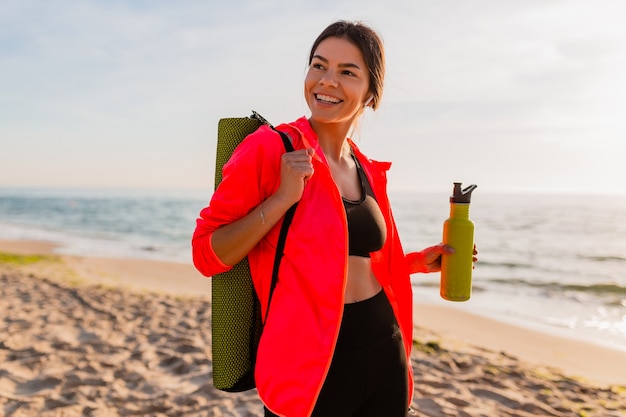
[458, 232]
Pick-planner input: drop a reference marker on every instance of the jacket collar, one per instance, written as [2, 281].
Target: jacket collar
[304, 136]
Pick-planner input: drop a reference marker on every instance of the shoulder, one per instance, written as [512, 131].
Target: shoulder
[263, 138]
[261, 144]
[267, 142]
[300, 133]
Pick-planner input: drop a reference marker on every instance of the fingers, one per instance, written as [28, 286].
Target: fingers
[301, 154]
[432, 256]
[447, 249]
[299, 162]
[296, 169]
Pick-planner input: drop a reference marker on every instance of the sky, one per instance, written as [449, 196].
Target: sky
[511, 95]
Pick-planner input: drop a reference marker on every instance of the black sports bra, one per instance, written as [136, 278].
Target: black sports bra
[366, 225]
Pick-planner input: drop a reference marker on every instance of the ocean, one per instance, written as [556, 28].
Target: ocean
[553, 263]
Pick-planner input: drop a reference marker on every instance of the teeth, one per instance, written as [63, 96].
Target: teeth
[328, 99]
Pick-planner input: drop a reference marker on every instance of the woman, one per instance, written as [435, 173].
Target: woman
[337, 339]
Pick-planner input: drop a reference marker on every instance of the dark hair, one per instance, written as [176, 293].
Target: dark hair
[370, 45]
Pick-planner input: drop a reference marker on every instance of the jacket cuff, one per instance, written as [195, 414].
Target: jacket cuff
[205, 259]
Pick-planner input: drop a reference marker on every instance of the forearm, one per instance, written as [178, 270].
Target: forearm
[232, 242]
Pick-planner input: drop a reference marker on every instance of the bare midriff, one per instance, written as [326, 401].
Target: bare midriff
[361, 283]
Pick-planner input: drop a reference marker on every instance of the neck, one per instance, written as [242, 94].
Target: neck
[331, 137]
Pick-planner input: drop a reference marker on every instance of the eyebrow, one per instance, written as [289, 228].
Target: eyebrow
[346, 65]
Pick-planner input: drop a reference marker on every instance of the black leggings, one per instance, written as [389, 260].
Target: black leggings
[368, 374]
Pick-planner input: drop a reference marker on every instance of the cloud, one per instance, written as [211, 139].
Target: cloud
[97, 84]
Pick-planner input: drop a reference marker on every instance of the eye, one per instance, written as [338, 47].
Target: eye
[349, 73]
[317, 65]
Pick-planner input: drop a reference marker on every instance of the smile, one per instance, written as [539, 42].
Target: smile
[327, 99]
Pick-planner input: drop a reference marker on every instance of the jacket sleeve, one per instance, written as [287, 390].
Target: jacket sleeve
[250, 176]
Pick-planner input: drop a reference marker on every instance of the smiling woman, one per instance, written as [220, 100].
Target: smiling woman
[343, 299]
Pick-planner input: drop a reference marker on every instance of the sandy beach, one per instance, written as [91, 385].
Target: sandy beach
[86, 336]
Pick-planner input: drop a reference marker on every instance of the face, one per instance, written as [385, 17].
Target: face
[336, 86]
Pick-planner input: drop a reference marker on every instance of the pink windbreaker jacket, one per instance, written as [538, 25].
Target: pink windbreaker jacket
[302, 325]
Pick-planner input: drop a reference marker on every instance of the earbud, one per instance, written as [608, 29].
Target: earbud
[369, 100]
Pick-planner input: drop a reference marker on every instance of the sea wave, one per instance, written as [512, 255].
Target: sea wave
[508, 264]
[600, 289]
[610, 258]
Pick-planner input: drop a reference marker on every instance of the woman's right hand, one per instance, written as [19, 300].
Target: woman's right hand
[233, 241]
[296, 168]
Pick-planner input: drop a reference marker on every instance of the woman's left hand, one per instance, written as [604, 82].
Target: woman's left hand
[429, 259]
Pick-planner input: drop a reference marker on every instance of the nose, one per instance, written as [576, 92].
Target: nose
[329, 79]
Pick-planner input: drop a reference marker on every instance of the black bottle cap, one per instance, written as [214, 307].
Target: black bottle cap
[463, 196]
